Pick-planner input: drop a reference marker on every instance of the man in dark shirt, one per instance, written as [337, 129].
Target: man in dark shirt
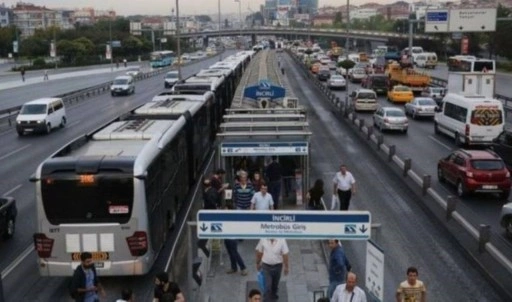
[211, 201]
[274, 176]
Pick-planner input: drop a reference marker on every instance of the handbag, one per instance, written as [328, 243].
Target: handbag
[335, 202]
[261, 280]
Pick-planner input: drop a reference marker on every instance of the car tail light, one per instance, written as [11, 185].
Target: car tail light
[469, 174]
[43, 245]
[138, 243]
[508, 174]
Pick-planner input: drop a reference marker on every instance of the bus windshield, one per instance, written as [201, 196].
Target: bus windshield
[87, 198]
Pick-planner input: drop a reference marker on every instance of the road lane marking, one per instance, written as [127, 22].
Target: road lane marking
[17, 261]
[440, 143]
[15, 151]
[12, 190]
[73, 123]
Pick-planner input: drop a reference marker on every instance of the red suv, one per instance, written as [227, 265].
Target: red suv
[475, 171]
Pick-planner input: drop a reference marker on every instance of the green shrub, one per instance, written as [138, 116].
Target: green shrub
[39, 62]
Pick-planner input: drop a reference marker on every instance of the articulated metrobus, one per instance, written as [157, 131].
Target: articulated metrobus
[161, 58]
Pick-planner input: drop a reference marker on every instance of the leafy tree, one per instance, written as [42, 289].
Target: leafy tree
[337, 19]
[500, 41]
[203, 18]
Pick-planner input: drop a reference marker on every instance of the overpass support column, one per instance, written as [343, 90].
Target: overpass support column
[205, 42]
[253, 39]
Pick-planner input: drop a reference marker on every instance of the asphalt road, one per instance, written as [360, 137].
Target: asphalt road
[19, 158]
[409, 235]
[425, 148]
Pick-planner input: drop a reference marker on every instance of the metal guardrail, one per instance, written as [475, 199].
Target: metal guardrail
[8, 116]
[501, 267]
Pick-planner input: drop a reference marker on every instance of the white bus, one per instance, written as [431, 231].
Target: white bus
[118, 191]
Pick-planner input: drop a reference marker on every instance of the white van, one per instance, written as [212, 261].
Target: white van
[122, 85]
[364, 100]
[41, 115]
[426, 60]
[470, 119]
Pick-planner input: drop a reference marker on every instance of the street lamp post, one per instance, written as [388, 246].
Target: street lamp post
[220, 39]
[110, 44]
[348, 28]
[178, 37]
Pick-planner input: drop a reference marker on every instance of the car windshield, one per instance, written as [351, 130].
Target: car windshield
[402, 88]
[379, 80]
[487, 164]
[336, 77]
[394, 113]
[171, 76]
[33, 109]
[437, 90]
[120, 81]
[426, 102]
[359, 71]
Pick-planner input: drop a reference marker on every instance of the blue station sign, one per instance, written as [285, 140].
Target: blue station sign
[242, 224]
[264, 89]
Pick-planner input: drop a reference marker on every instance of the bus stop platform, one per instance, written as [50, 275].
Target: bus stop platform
[306, 282]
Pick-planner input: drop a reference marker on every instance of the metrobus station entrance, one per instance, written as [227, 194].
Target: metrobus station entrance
[249, 139]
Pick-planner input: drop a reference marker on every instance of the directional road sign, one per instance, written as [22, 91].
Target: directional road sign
[436, 20]
[246, 224]
[472, 20]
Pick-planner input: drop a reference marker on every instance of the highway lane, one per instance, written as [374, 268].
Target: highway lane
[25, 153]
[408, 236]
[425, 148]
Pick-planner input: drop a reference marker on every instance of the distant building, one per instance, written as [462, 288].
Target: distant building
[28, 17]
[5, 15]
[320, 20]
[363, 13]
[395, 11]
[89, 15]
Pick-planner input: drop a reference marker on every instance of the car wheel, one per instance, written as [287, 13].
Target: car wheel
[10, 228]
[48, 128]
[457, 140]
[508, 227]
[440, 175]
[461, 189]
[436, 128]
[63, 122]
[504, 195]
[20, 133]
[113, 93]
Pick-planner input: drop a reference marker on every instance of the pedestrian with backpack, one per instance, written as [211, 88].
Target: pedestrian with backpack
[85, 285]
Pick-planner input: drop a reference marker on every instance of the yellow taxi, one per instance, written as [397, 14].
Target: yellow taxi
[315, 67]
[400, 94]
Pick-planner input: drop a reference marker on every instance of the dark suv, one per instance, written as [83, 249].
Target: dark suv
[8, 212]
[474, 171]
[502, 145]
[323, 74]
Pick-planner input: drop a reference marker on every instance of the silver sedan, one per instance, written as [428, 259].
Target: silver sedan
[336, 82]
[421, 107]
[390, 118]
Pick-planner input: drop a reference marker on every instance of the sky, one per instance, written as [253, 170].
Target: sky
[160, 7]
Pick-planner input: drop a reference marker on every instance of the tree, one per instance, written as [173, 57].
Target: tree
[203, 18]
[500, 41]
[337, 19]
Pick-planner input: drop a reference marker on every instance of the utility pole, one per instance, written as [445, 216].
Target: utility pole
[178, 37]
[220, 39]
[111, 48]
[347, 45]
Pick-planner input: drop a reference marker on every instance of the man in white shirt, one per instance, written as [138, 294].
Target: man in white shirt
[349, 292]
[262, 200]
[271, 256]
[344, 185]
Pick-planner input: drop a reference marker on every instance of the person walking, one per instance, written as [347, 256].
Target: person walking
[344, 185]
[22, 71]
[254, 295]
[271, 258]
[85, 285]
[234, 256]
[412, 289]
[243, 192]
[338, 266]
[257, 181]
[349, 292]
[126, 296]
[211, 201]
[315, 194]
[262, 200]
[164, 287]
[289, 167]
[274, 176]
[45, 77]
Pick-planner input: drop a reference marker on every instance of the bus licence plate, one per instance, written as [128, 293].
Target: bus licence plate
[489, 187]
[96, 256]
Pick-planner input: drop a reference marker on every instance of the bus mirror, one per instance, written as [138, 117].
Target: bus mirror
[142, 176]
[33, 178]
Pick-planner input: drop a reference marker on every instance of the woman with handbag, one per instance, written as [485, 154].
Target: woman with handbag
[315, 194]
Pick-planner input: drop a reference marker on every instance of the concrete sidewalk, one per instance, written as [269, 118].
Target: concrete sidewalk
[308, 272]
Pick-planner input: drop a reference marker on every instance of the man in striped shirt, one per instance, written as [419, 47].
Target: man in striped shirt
[243, 192]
